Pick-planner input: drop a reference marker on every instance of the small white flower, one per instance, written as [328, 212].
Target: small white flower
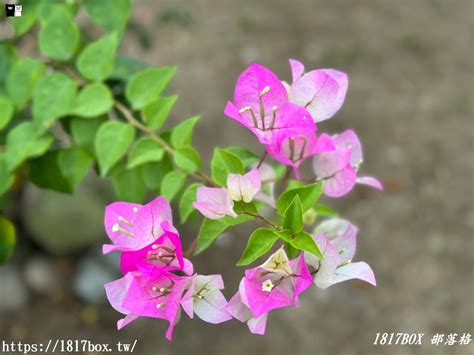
[267, 285]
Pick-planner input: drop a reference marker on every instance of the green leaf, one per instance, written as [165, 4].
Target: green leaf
[304, 241]
[6, 178]
[24, 22]
[172, 184]
[7, 59]
[145, 86]
[83, 132]
[187, 159]
[323, 210]
[6, 111]
[156, 113]
[96, 61]
[24, 142]
[308, 195]
[53, 97]
[187, 200]
[93, 100]
[182, 134]
[247, 156]
[7, 239]
[153, 173]
[285, 235]
[211, 229]
[110, 14]
[45, 173]
[129, 185]
[260, 242]
[111, 143]
[291, 251]
[223, 163]
[293, 216]
[125, 67]
[21, 80]
[59, 35]
[74, 164]
[144, 151]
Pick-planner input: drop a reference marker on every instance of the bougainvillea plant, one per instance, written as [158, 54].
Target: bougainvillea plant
[158, 280]
[93, 109]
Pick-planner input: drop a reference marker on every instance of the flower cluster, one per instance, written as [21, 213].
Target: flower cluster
[156, 275]
[159, 280]
[284, 117]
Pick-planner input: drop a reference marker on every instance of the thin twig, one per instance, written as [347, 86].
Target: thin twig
[262, 159]
[260, 217]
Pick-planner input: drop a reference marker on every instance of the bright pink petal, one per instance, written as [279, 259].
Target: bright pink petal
[370, 181]
[132, 226]
[165, 253]
[214, 203]
[157, 294]
[121, 323]
[297, 69]
[341, 183]
[251, 83]
[321, 92]
[349, 139]
[359, 270]
[115, 214]
[301, 275]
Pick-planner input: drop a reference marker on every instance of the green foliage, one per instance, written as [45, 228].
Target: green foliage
[187, 200]
[96, 61]
[25, 142]
[246, 156]
[111, 143]
[308, 196]
[260, 242]
[45, 173]
[110, 14]
[182, 134]
[187, 159]
[293, 216]
[144, 151]
[53, 97]
[224, 162]
[6, 111]
[74, 164]
[7, 239]
[304, 241]
[21, 80]
[129, 185]
[145, 86]
[323, 210]
[210, 230]
[59, 35]
[156, 113]
[172, 183]
[93, 100]
[153, 173]
[27, 19]
[83, 132]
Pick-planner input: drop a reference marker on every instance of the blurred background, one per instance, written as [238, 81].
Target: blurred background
[411, 101]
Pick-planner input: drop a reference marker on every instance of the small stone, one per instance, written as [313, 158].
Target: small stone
[89, 281]
[13, 293]
[40, 275]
